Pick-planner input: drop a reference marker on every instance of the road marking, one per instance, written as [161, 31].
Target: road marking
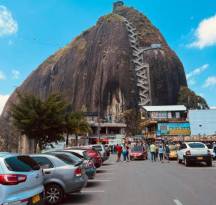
[93, 191]
[177, 202]
[100, 180]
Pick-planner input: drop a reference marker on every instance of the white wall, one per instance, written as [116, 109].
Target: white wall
[203, 122]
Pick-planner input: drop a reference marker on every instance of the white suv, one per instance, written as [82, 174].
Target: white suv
[190, 152]
[21, 180]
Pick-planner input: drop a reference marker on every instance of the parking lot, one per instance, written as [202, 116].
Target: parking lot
[144, 182]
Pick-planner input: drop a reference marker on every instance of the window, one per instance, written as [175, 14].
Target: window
[183, 146]
[77, 155]
[43, 162]
[137, 149]
[196, 145]
[172, 147]
[85, 154]
[68, 158]
[98, 148]
[21, 164]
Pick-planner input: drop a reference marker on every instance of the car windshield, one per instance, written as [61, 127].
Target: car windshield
[77, 155]
[137, 149]
[85, 154]
[21, 164]
[172, 147]
[98, 148]
[68, 158]
[196, 145]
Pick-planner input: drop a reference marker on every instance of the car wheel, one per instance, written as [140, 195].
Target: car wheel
[179, 161]
[187, 163]
[54, 194]
[209, 163]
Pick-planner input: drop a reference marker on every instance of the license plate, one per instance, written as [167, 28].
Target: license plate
[200, 158]
[36, 199]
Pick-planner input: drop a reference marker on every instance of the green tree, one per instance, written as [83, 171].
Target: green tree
[76, 124]
[132, 119]
[40, 120]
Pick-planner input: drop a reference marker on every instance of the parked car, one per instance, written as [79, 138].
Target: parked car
[21, 180]
[93, 154]
[214, 151]
[194, 152]
[107, 148]
[62, 175]
[138, 152]
[88, 163]
[173, 152]
[100, 148]
[212, 148]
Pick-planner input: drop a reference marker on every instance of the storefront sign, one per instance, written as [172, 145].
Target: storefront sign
[174, 129]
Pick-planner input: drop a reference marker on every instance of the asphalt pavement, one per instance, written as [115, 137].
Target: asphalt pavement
[147, 183]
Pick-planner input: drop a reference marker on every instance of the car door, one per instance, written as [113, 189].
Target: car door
[46, 164]
[181, 151]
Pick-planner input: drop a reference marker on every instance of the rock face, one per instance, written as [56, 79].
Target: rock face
[97, 70]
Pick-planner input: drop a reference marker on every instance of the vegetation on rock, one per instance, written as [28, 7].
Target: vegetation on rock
[132, 118]
[192, 101]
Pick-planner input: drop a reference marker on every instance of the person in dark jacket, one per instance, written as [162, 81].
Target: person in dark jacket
[167, 152]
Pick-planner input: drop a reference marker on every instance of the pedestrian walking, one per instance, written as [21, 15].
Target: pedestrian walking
[161, 153]
[127, 154]
[119, 152]
[124, 153]
[167, 152]
[157, 152]
[153, 152]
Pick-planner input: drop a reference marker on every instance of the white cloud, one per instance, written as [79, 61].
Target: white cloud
[210, 81]
[192, 81]
[3, 100]
[205, 34]
[197, 71]
[8, 25]
[2, 76]
[15, 74]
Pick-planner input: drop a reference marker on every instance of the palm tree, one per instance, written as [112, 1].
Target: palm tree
[75, 123]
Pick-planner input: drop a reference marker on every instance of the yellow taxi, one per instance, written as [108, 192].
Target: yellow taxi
[173, 152]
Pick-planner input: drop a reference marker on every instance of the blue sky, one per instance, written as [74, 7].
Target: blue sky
[31, 30]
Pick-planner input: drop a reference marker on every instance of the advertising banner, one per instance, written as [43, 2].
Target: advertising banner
[174, 129]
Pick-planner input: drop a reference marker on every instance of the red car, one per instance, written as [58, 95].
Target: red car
[138, 152]
[96, 157]
[93, 154]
